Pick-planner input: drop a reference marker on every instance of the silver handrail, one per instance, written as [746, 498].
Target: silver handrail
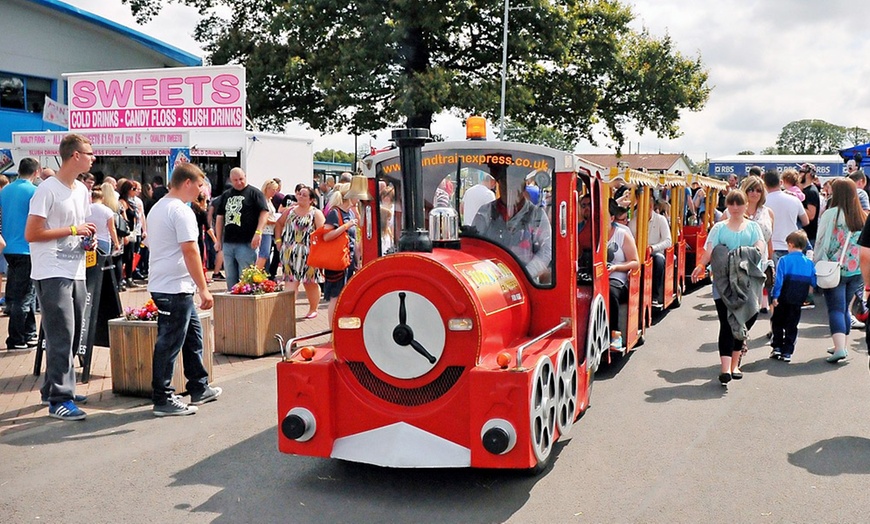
[285, 349]
[565, 323]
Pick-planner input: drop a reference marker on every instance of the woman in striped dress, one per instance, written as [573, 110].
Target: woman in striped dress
[293, 233]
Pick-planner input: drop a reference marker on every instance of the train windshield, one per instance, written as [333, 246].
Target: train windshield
[502, 197]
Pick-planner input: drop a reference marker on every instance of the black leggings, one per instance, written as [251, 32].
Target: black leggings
[727, 343]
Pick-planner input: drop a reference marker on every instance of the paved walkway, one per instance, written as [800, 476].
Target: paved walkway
[20, 405]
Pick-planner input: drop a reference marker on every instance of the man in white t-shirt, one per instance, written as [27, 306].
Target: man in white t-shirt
[176, 274]
[55, 229]
[787, 210]
[475, 197]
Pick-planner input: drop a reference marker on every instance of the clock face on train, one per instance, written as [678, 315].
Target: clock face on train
[404, 334]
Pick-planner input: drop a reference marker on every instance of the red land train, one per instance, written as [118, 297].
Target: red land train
[478, 351]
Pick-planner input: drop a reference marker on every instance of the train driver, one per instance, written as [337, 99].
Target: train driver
[515, 222]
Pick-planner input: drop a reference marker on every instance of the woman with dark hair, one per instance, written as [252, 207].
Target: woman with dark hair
[127, 210]
[839, 229]
[734, 234]
[293, 231]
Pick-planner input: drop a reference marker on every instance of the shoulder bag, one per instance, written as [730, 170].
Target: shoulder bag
[828, 271]
[334, 254]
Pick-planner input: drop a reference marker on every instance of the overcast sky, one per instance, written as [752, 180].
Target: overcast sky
[771, 62]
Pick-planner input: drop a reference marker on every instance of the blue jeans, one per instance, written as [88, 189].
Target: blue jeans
[178, 330]
[236, 258]
[20, 299]
[837, 299]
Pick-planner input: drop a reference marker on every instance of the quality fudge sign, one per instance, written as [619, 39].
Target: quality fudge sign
[149, 99]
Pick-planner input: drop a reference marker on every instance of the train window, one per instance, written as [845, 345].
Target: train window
[503, 197]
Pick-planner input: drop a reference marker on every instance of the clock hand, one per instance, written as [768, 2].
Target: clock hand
[403, 335]
[402, 315]
[421, 350]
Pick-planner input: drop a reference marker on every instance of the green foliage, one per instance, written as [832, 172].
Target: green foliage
[746, 152]
[332, 155]
[817, 137]
[541, 135]
[362, 66]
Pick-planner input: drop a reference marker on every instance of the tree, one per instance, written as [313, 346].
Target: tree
[331, 155]
[811, 137]
[746, 152]
[541, 135]
[369, 64]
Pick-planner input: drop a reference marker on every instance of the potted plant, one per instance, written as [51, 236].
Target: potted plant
[248, 317]
[131, 347]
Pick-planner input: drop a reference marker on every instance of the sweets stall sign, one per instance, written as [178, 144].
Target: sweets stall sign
[151, 99]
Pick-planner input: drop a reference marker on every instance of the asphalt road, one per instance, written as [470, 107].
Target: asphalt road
[662, 442]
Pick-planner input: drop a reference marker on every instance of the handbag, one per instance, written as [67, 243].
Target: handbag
[334, 254]
[828, 272]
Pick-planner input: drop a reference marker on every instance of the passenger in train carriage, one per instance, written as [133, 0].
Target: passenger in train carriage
[520, 226]
[659, 240]
[622, 258]
[475, 197]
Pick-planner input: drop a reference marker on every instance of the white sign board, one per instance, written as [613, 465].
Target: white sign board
[175, 98]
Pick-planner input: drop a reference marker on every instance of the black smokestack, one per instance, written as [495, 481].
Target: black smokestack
[414, 236]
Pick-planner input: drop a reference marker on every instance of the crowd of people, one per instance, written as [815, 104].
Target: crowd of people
[171, 238]
[773, 232]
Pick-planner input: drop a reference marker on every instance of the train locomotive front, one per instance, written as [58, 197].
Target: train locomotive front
[437, 360]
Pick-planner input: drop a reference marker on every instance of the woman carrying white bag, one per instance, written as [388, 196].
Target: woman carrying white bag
[837, 241]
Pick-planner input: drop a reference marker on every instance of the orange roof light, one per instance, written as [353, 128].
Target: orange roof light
[475, 128]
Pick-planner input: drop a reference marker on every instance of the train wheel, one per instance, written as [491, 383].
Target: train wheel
[542, 413]
[598, 334]
[566, 388]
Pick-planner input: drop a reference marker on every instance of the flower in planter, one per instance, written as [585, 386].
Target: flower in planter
[146, 312]
[255, 281]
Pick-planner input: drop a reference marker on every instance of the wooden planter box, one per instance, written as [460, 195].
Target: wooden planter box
[246, 324]
[131, 347]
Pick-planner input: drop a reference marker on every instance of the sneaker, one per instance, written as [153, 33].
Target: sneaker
[764, 311]
[809, 304]
[131, 284]
[857, 324]
[78, 399]
[27, 346]
[831, 351]
[786, 358]
[173, 407]
[66, 411]
[210, 393]
[218, 276]
[776, 354]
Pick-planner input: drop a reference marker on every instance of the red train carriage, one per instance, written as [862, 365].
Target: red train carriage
[675, 256]
[476, 350]
[695, 234]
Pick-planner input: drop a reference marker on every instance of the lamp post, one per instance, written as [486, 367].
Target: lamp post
[504, 67]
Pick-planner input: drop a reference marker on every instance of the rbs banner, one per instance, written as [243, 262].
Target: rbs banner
[151, 99]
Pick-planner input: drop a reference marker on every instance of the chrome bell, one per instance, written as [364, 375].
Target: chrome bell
[359, 188]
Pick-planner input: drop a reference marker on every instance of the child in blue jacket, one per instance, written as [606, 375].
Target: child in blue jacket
[795, 275]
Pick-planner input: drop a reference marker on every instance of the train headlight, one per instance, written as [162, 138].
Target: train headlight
[460, 324]
[498, 436]
[299, 424]
[349, 323]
